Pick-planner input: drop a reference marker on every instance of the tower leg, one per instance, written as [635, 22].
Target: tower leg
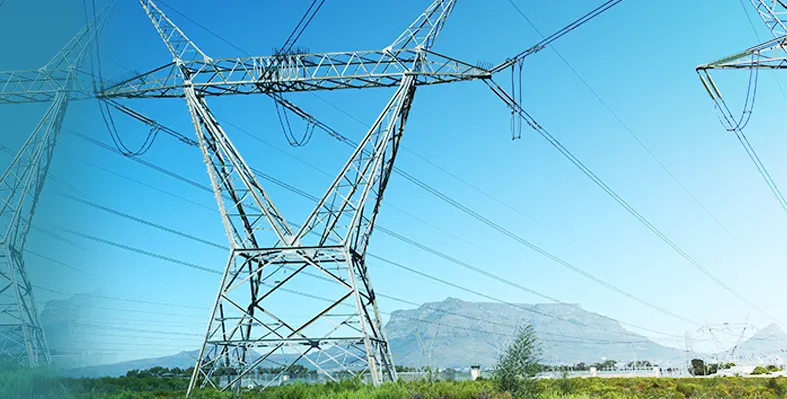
[21, 335]
[292, 313]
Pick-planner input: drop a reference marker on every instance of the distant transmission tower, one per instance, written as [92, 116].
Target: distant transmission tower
[254, 324]
[21, 335]
[689, 350]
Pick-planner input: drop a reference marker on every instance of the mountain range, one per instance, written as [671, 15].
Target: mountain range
[456, 333]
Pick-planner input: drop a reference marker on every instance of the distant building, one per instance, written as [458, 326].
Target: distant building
[475, 372]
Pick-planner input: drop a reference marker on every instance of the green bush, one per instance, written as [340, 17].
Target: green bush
[576, 388]
[772, 368]
[778, 386]
[760, 370]
[689, 390]
[565, 384]
[38, 383]
[519, 364]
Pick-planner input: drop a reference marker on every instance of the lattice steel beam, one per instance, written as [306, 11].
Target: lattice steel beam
[252, 325]
[21, 336]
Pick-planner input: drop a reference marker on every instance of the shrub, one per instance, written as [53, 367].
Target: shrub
[566, 384]
[39, 383]
[518, 364]
[778, 386]
[760, 370]
[689, 390]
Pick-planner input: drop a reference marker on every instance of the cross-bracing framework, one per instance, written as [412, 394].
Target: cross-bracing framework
[22, 338]
[254, 324]
[772, 54]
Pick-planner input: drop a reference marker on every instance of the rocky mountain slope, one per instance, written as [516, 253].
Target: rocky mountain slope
[456, 333]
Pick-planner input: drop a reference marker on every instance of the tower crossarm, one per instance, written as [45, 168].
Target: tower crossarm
[42, 85]
[768, 55]
[297, 72]
[62, 73]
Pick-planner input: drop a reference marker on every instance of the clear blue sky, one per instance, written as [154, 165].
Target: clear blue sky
[639, 57]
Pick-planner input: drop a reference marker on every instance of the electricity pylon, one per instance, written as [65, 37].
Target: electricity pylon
[340, 333]
[22, 338]
[772, 54]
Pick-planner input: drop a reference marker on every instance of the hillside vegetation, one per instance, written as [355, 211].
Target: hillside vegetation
[44, 385]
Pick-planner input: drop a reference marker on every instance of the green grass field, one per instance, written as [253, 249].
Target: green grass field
[42, 384]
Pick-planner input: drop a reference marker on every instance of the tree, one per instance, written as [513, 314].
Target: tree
[518, 364]
[607, 364]
[697, 367]
[700, 368]
[639, 363]
[448, 374]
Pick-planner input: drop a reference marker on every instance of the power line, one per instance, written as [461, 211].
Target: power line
[622, 202]
[761, 168]
[477, 270]
[428, 188]
[483, 192]
[589, 173]
[465, 209]
[630, 295]
[538, 249]
[99, 296]
[146, 185]
[302, 25]
[143, 221]
[142, 252]
[757, 35]
[425, 248]
[745, 141]
[620, 121]
[203, 27]
[125, 328]
[477, 330]
[66, 265]
[346, 140]
[507, 232]
[490, 297]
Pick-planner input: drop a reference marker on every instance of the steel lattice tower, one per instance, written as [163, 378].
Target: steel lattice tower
[21, 335]
[771, 54]
[252, 325]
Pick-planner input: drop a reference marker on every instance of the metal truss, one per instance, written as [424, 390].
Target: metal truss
[774, 14]
[60, 74]
[22, 338]
[21, 335]
[40, 85]
[252, 326]
[771, 54]
[768, 55]
[297, 72]
[337, 329]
